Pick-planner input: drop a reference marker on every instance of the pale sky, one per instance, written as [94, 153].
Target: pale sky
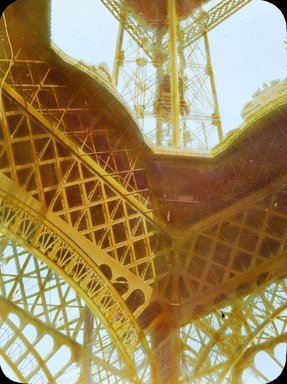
[246, 50]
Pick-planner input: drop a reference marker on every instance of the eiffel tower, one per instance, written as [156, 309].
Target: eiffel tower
[124, 261]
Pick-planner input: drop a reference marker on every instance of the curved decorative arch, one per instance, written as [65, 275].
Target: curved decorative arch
[63, 323]
[229, 343]
[22, 219]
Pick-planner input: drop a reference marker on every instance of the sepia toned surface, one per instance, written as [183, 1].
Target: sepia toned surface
[147, 261]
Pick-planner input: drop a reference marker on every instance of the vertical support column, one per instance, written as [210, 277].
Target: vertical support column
[183, 106]
[86, 358]
[174, 85]
[118, 52]
[216, 117]
[159, 74]
[166, 351]
[166, 341]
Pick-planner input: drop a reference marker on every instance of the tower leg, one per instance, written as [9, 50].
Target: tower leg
[216, 118]
[85, 375]
[167, 349]
[118, 52]
[175, 109]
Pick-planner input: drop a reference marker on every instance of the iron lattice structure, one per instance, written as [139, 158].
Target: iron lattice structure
[133, 267]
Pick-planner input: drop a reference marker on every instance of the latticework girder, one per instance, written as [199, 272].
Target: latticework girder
[70, 260]
[90, 257]
[89, 188]
[246, 244]
[144, 37]
[202, 23]
[42, 325]
[219, 347]
[211, 19]
[144, 71]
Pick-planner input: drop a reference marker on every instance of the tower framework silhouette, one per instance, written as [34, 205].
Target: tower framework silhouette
[124, 261]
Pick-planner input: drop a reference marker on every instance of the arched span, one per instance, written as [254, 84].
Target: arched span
[22, 220]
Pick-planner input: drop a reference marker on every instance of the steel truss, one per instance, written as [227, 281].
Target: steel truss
[80, 229]
[141, 74]
[43, 326]
[96, 193]
[223, 345]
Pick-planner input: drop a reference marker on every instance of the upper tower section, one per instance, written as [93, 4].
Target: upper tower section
[160, 57]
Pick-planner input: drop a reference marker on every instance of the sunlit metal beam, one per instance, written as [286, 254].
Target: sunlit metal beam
[211, 19]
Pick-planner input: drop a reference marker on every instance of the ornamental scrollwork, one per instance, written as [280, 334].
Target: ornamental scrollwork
[35, 233]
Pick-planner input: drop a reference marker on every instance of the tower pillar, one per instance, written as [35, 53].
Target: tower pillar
[174, 82]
